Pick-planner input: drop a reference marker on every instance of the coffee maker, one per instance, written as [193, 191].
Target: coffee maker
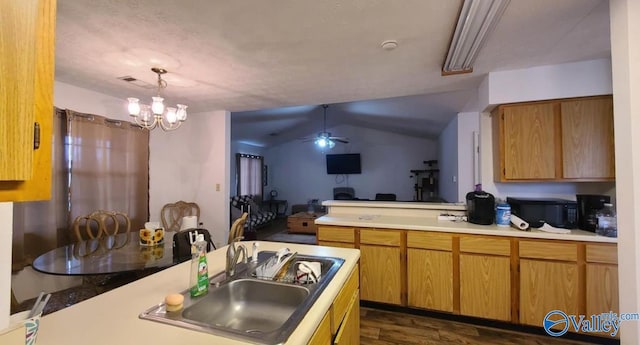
[481, 208]
[588, 206]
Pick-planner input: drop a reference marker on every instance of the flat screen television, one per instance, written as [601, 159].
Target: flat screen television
[347, 163]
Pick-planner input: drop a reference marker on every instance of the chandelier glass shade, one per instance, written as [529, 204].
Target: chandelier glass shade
[156, 114]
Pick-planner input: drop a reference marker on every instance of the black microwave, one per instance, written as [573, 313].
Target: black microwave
[558, 213]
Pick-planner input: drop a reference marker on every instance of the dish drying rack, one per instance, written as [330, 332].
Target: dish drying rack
[280, 268]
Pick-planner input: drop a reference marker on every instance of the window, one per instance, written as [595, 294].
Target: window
[249, 171]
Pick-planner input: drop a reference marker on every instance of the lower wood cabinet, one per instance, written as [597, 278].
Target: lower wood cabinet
[485, 286]
[547, 286]
[500, 278]
[380, 274]
[341, 324]
[336, 236]
[349, 332]
[430, 279]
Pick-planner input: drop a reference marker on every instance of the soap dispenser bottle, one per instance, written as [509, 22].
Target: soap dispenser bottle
[199, 280]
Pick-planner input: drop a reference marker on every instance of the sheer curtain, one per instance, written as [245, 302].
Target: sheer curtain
[97, 163]
[108, 161]
[249, 169]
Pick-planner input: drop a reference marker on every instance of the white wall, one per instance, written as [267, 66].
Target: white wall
[67, 96]
[192, 164]
[625, 52]
[298, 170]
[468, 124]
[448, 161]
[576, 79]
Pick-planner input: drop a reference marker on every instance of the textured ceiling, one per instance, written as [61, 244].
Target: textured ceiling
[273, 62]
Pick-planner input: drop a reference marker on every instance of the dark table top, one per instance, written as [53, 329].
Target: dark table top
[109, 254]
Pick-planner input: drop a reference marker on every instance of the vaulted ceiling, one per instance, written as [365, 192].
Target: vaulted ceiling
[272, 63]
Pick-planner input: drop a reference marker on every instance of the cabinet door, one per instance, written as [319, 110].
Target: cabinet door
[27, 31]
[529, 141]
[322, 335]
[602, 289]
[430, 279]
[336, 244]
[587, 139]
[349, 332]
[380, 274]
[547, 286]
[485, 286]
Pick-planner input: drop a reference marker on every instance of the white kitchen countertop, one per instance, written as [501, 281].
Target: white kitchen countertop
[112, 317]
[433, 224]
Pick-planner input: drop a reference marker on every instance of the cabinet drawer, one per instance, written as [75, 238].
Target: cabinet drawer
[602, 253]
[381, 237]
[336, 234]
[429, 240]
[549, 250]
[484, 245]
[341, 303]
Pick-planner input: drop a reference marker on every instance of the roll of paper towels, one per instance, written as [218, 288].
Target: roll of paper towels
[519, 222]
[189, 222]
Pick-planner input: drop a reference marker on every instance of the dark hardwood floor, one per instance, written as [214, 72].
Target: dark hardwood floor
[381, 327]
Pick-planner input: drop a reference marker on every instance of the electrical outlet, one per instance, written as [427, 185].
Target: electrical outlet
[454, 178]
[217, 187]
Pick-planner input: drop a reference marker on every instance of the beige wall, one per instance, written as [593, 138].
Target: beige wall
[625, 53]
[190, 164]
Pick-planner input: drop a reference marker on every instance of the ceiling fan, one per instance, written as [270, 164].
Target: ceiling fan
[324, 139]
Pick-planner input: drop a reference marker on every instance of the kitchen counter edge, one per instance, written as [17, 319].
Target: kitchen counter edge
[433, 224]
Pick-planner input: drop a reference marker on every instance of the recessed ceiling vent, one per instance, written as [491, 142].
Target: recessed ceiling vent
[139, 83]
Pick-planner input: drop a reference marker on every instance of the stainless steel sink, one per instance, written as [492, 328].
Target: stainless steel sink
[248, 305]
[247, 308]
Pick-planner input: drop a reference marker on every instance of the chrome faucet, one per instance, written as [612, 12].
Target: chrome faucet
[233, 254]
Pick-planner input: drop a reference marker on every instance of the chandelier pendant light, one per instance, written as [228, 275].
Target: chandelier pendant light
[155, 115]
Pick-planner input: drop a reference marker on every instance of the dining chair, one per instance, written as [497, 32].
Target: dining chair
[101, 223]
[171, 214]
[237, 228]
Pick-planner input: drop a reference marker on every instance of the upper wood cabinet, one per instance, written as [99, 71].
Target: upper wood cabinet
[27, 30]
[569, 139]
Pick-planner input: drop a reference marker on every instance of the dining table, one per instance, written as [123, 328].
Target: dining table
[105, 255]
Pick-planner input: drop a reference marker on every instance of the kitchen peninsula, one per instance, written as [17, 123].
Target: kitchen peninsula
[409, 258]
[112, 317]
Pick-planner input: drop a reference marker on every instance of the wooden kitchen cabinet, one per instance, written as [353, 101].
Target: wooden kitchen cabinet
[549, 280]
[602, 279]
[525, 138]
[587, 139]
[381, 270]
[567, 139]
[336, 236]
[349, 332]
[429, 271]
[485, 277]
[341, 324]
[27, 31]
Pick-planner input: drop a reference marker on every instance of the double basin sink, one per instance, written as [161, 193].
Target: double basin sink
[249, 308]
